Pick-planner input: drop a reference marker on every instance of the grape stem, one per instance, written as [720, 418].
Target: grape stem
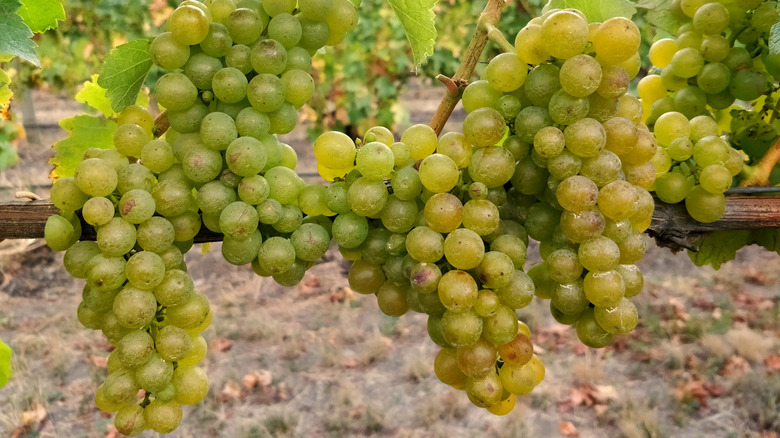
[490, 14]
[452, 87]
[760, 176]
[497, 37]
[161, 124]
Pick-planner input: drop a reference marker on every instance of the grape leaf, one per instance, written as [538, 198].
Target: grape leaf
[768, 238]
[124, 72]
[659, 15]
[95, 96]
[84, 132]
[596, 10]
[42, 15]
[5, 89]
[419, 23]
[774, 39]
[719, 247]
[5, 363]
[16, 35]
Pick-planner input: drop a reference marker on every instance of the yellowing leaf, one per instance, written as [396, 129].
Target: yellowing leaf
[95, 96]
[84, 132]
[5, 364]
[419, 22]
[596, 10]
[5, 89]
[41, 15]
[124, 72]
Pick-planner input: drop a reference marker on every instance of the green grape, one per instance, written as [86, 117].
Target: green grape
[602, 109]
[564, 165]
[582, 226]
[335, 150]
[134, 308]
[186, 121]
[239, 57]
[446, 368]
[245, 156]
[670, 126]
[238, 220]
[530, 46]
[298, 59]
[566, 109]
[157, 155]
[530, 120]
[424, 245]
[341, 18]
[580, 75]
[487, 303]
[98, 211]
[541, 221]
[672, 187]
[162, 417]
[714, 78]
[231, 86]
[484, 127]
[169, 53]
[702, 126]
[218, 41]
[188, 25]
[455, 146]
[463, 249]
[711, 150]
[252, 123]
[502, 327]
[350, 230]
[481, 216]
[145, 270]
[193, 314]
[175, 288]
[77, 257]
[365, 277]
[443, 212]
[214, 196]
[621, 135]
[298, 87]
[244, 25]
[616, 40]
[715, 178]
[492, 166]
[630, 107]
[633, 279]
[748, 84]
[506, 72]
[66, 195]
[269, 56]
[714, 48]
[687, 62]
[391, 299]
[136, 206]
[542, 82]
[604, 289]
[479, 94]
[620, 320]
[617, 200]
[577, 193]
[241, 251]
[671, 81]
[421, 139]
[201, 164]
[689, 40]
[590, 332]
[129, 419]
[95, 177]
[478, 359]
[116, 238]
[130, 138]
[585, 137]
[135, 348]
[175, 91]
[315, 34]
[60, 233]
[367, 196]
[253, 189]
[217, 131]
[276, 7]
[399, 216]
[519, 292]
[549, 142]
[614, 83]
[565, 34]
[313, 9]
[191, 383]
[284, 184]
[310, 241]
[764, 17]
[690, 101]
[286, 29]
[457, 291]
[703, 206]
[563, 266]
[461, 329]
[375, 160]
[269, 211]
[496, 270]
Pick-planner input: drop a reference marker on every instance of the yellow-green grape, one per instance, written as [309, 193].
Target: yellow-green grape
[446, 368]
[380, 134]
[464, 249]
[506, 72]
[530, 45]
[162, 417]
[335, 150]
[703, 206]
[616, 40]
[456, 146]
[130, 420]
[421, 139]
[618, 320]
[565, 34]
[670, 126]
[662, 51]
[191, 383]
[457, 291]
[439, 173]
[651, 88]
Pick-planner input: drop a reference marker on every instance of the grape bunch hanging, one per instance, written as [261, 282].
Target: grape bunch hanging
[237, 73]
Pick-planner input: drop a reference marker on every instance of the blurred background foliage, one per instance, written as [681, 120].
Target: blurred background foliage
[359, 82]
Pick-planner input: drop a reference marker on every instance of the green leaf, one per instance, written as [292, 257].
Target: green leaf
[719, 247]
[16, 35]
[659, 15]
[419, 22]
[95, 96]
[124, 72]
[5, 363]
[774, 39]
[84, 132]
[42, 15]
[596, 10]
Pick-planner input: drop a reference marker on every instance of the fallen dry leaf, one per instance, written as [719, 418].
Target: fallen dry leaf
[34, 416]
[231, 391]
[735, 366]
[221, 344]
[566, 428]
[257, 378]
[772, 363]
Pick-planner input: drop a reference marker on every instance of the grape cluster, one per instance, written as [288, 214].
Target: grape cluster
[718, 57]
[555, 152]
[238, 72]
